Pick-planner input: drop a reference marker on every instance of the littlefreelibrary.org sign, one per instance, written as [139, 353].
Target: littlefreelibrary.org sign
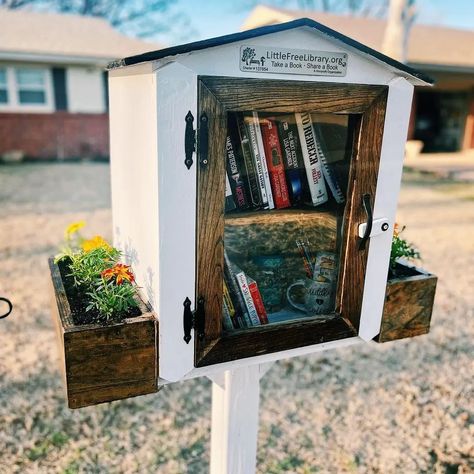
[292, 61]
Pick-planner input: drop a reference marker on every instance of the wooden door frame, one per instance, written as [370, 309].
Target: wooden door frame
[216, 97]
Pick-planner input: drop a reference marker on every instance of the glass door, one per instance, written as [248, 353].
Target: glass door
[280, 199]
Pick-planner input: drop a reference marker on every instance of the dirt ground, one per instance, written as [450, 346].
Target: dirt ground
[405, 407]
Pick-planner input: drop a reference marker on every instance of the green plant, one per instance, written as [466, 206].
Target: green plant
[110, 299]
[94, 266]
[401, 248]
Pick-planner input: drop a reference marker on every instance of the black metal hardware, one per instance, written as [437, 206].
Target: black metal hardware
[203, 139]
[193, 319]
[385, 226]
[189, 140]
[10, 307]
[370, 218]
[200, 318]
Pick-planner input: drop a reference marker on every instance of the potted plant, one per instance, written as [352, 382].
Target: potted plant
[409, 295]
[107, 335]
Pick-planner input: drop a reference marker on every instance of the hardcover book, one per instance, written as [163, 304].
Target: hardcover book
[261, 149]
[314, 173]
[276, 168]
[229, 198]
[245, 290]
[241, 313]
[257, 300]
[235, 165]
[292, 158]
[250, 169]
[257, 158]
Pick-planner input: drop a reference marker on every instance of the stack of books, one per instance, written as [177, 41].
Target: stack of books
[277, 162]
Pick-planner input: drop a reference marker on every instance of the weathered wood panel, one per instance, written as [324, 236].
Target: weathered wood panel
[408, 306]
[266, 95]
[104, 363]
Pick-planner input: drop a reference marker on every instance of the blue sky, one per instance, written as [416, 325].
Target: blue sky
[218, 17]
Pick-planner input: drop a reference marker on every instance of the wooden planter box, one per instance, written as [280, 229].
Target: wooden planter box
[104, 363]
[408, 304]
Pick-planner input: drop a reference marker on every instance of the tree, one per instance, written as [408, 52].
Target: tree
[401, 16]
[139, 18]
[374, 8]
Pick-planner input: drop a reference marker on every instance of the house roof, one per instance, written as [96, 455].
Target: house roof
[68, 36]
[428, 45]
[265, 30]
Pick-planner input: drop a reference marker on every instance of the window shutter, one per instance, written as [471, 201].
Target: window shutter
[59, 84]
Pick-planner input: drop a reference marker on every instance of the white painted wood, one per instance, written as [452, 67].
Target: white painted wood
[388, 187]
[85, 89]
[134, 176]
[267, 358]
[177, 95]
[224, 60]
[234, 428]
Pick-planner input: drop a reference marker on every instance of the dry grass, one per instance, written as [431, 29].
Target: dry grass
[401, 408]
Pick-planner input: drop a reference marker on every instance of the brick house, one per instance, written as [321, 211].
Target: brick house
[53, 88]
[442, 116]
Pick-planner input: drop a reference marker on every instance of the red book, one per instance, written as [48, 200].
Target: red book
[257, 300]
[276, 168]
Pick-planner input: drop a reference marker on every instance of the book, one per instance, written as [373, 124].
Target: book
[249, 164]
[292, 158]
[257, 159]
[229, 306]
[261, 149]
[226, 318]
[328, 172]
[241, 314]
[235, 166]
[312, 163]
[276, 168]
[245, 290]
[229, 198]
[257, 300]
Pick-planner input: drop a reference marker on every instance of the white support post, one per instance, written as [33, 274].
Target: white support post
[234, 429]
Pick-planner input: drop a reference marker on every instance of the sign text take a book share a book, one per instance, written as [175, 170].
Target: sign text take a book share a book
[292, 61]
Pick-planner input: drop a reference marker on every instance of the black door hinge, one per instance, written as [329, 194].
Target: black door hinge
[189, 140]
[193, 319]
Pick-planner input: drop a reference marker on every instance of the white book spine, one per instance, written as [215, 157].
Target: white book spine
[244, 288]
[312, 164]
[266, 175]
[258, 160]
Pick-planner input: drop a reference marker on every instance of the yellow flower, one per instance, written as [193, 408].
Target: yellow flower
[95, 243]
[73, 228]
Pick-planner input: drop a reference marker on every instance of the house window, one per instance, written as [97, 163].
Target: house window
[3, 86]
[31, 86]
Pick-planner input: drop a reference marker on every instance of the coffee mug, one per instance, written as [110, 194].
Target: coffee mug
[318, 296]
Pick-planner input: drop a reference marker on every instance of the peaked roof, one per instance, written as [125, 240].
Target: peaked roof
[427, 44]
[51, 34]
[266, 30]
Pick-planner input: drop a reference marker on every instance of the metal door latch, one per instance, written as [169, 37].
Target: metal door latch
[379, 226]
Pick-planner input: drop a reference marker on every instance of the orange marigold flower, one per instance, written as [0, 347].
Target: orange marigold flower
[121, 272]
[95, 243]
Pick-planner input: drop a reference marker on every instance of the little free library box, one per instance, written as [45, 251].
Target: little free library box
[255, 180]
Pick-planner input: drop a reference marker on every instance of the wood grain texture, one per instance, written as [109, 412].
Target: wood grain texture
[210, 219]
[274, 338]
[408, 306]
[217, 96]
[362, 180]
[104, 363]
[239, 94]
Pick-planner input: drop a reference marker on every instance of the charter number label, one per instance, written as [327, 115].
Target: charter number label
[292, 61]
